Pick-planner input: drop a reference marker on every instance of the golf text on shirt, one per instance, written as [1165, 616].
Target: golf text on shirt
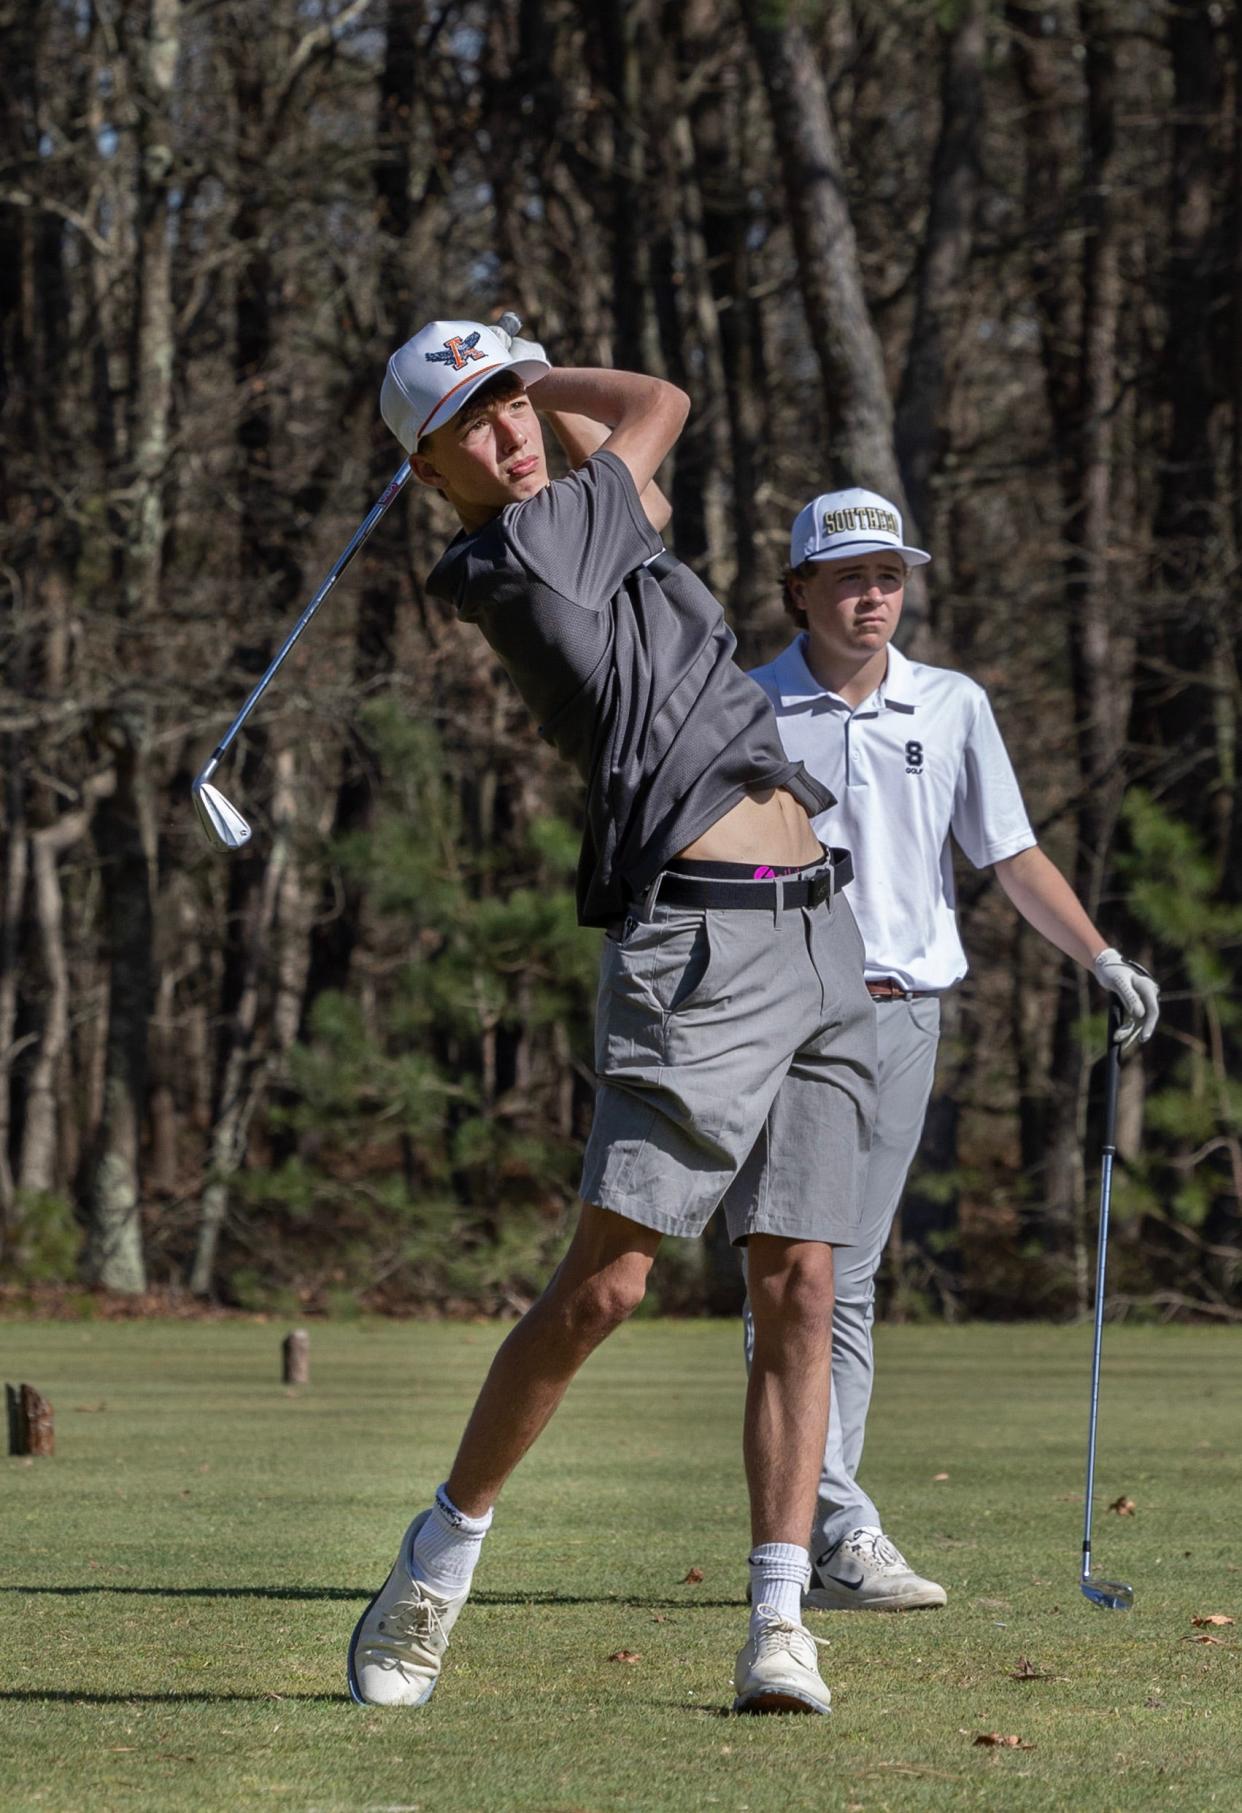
[918, 760]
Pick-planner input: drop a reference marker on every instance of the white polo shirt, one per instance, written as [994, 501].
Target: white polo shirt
[920, 758]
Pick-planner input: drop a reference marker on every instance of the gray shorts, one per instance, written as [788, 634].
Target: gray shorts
[735, 1057]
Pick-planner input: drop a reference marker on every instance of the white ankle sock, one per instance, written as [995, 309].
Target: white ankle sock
[447, 1546]
[779, 1573]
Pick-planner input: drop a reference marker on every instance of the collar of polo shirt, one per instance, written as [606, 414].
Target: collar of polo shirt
[799, 687]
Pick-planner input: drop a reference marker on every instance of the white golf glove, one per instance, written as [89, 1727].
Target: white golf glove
[509, 327]
[1137, 992]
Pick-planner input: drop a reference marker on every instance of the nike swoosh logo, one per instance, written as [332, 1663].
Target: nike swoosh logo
[851, 1585]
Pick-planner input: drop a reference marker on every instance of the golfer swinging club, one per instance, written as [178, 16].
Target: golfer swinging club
[735, 1041]
[914, 754]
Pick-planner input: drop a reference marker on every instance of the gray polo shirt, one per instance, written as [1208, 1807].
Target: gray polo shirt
[631, 677]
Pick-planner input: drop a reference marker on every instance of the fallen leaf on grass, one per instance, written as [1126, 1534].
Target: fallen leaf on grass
[1204, 1638]
[659, 1617]
[1152, 1701]
[693, 1577]
[625, 1655]
[1027, 1671]
[1124, 1507]
[1211, 1618]
[937, 1477]
[993, 1740]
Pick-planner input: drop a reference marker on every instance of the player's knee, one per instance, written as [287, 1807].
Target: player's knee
[603, 1302]
[800, 1291]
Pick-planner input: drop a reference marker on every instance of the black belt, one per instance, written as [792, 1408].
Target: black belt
[759, 896]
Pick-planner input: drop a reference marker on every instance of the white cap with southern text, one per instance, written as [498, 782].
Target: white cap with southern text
[439, 369]
[840, 524]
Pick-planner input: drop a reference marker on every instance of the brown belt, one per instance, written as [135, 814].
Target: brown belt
[886, 988]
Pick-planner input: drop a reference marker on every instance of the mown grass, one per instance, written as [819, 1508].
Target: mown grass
[178, 1585]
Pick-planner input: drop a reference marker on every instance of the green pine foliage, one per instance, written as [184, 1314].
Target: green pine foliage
[1184, 1181]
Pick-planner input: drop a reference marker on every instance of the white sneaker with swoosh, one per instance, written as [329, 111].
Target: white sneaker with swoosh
[867, 1572]
[777, 1670]
[398, 1645]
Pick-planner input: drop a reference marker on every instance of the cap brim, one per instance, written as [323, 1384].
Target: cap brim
[528, 370]
[913, 557]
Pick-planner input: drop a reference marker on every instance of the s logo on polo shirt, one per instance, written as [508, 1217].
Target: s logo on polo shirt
[914, 757]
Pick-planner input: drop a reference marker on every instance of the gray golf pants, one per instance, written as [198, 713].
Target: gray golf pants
[907, 1034]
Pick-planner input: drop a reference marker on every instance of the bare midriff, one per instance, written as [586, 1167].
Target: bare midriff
[770, 828]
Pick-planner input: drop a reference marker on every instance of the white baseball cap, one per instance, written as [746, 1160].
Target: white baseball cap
[432, 375]
[842, 523]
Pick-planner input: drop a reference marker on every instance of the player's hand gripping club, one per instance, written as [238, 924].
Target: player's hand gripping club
[1138, 993]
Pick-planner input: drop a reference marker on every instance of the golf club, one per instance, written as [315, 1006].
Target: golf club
[222, 823]
[1110, 1595]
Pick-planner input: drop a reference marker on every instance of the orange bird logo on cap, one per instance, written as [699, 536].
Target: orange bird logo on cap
[457, 352]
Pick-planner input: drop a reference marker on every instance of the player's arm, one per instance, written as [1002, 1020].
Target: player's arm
[1046, 900]
[581, 437]
[643, 416]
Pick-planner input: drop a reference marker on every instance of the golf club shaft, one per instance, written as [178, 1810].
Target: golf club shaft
[1111, 1076]
[379, 509]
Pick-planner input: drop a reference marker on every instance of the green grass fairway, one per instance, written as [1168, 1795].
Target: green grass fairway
[179, 1584]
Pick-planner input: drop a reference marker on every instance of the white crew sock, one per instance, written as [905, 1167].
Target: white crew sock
[447, 1546]
[779, 1574]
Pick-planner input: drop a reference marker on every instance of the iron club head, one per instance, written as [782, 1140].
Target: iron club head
[1109, 1595]
[222, 824]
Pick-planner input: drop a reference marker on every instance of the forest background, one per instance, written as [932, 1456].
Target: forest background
[984, 257]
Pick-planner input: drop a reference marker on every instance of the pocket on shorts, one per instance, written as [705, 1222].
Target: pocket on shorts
[647, 978]
[926, 1015]
[677, 971]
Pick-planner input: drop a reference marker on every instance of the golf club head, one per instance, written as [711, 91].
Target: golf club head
[1109, 1595]
[222, 824]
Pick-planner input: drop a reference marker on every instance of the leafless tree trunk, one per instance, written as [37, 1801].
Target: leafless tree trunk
[16, 869]
[857, 403]
[248, 1053]
[124, 835]
[921, 428]
[36, 1170]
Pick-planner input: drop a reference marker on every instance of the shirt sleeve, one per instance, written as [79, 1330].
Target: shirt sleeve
[584, 534]
[989, 816]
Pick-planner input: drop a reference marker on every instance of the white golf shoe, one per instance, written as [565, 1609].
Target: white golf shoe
[777, 1670]
[398, 1645]
[866, 1572]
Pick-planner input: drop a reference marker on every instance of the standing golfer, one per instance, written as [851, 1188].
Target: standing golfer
[913, 754]
[735, 1041]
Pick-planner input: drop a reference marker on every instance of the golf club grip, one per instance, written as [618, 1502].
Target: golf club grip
[1112, 1073]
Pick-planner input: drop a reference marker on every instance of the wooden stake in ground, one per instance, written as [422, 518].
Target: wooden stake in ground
[30, 1421]
[295, 1351]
